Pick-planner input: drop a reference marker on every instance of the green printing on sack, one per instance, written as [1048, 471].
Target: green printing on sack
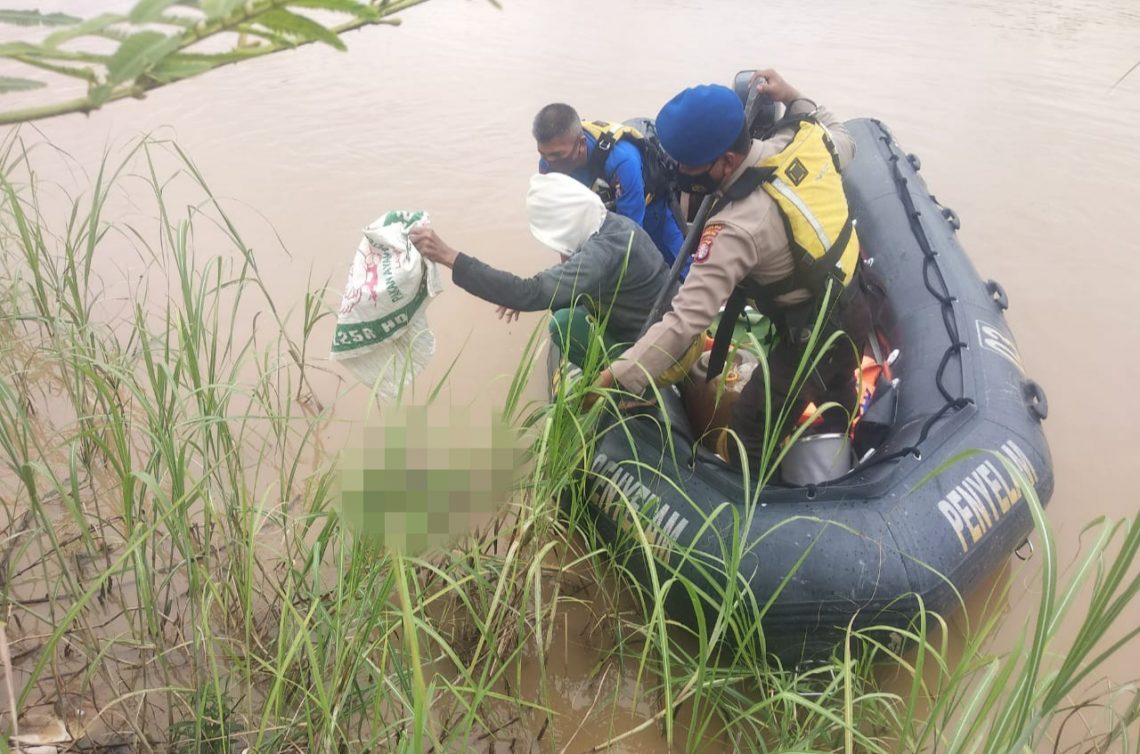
[350, 337]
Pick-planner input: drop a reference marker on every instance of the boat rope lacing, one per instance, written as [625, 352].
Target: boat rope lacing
[935, 283]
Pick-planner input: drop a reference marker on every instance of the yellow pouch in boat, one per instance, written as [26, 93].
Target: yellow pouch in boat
[677, 372]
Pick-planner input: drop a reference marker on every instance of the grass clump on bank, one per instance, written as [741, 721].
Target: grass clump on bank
[175, 568]
[173, 559]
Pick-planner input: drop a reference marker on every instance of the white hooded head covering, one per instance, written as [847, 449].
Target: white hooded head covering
[563, 213]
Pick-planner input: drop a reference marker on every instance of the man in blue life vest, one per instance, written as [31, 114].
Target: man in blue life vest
[780, 236]
[618, 164]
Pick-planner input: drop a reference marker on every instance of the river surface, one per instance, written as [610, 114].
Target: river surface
[1011, 105]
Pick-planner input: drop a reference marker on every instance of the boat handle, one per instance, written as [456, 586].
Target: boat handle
[952, 218]
[997, 292]
[1036, 401]
[915, 163]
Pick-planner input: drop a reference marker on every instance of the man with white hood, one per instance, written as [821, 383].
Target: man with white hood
[611, 270]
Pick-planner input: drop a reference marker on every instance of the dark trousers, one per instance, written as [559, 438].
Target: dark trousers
[832, 381]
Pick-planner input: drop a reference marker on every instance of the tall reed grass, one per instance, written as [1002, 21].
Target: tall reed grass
[174, 565]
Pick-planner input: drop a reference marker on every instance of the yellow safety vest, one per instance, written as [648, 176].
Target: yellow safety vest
[803, 179]
[617, 131]
[655, 171]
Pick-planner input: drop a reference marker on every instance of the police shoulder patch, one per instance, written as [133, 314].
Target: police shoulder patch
[704, 248]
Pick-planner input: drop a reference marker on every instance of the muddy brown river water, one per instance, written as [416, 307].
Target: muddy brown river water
[1010, 105]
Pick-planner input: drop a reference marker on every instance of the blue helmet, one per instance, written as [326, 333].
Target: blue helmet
[700, 124]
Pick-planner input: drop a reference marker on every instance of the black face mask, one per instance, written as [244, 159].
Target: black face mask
[702, 183]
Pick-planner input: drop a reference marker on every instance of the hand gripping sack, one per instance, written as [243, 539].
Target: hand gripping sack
[382, 332]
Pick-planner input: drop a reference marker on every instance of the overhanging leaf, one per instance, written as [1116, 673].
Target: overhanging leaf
[46, 64]
[149, 10]
[219, 8]
[297, 26]
[183, 22]
[175, 67]
[351, 7]
[35, 18]
[90, 26]
[11, 49]
[260, 32]
[10, 84]
[143, 56]
[115, 34]
[141, 52]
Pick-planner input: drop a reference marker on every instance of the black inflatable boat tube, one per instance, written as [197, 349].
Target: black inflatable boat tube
[913, 523]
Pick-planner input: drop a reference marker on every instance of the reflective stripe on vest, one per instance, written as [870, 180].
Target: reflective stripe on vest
[802, 208]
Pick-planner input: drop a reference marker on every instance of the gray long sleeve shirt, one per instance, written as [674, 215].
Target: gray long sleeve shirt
[617, 272]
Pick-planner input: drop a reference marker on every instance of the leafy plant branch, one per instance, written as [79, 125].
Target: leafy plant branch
[162, 41]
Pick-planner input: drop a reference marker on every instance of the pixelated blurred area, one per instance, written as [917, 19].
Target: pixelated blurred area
[424, 475]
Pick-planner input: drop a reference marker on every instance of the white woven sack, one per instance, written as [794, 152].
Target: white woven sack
[382, 332]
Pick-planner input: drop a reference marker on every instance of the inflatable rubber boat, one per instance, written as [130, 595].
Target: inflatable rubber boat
[936, 500]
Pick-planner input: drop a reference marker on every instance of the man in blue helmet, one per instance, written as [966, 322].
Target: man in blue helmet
[618, 163]
[780, 237]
